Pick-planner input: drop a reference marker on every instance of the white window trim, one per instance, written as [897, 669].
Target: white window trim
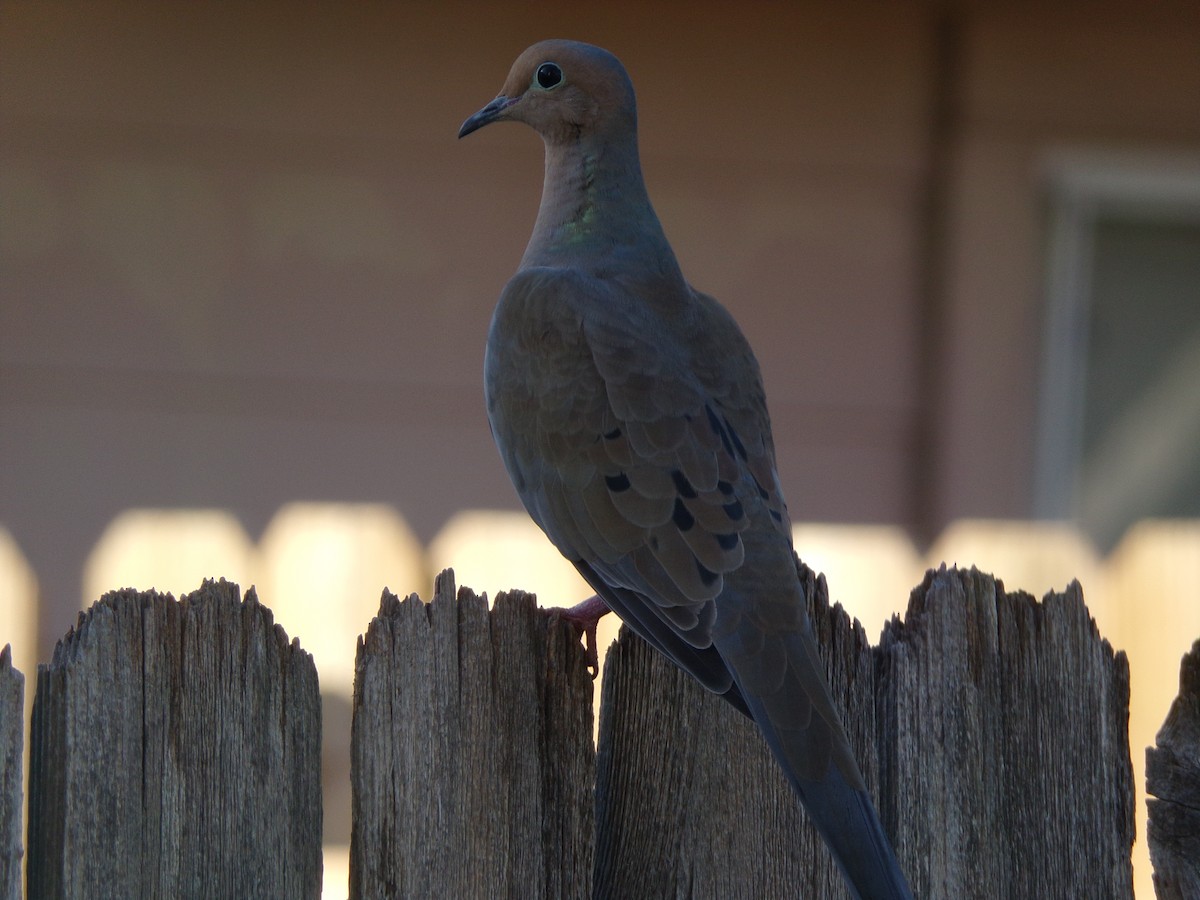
[1078, 188]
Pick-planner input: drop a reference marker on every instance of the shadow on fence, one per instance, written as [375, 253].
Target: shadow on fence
[175, 752]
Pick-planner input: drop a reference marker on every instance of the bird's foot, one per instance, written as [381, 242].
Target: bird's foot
[586, 616]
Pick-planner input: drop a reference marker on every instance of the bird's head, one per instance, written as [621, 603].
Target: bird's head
[564, 90]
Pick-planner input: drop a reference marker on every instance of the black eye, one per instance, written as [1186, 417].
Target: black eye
[548, 75]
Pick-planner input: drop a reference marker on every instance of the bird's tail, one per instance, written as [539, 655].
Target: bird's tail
[847, 821]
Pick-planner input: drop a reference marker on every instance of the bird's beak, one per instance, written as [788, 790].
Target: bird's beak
[487, 115]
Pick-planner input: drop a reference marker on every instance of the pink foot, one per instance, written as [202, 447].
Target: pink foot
[586, 616]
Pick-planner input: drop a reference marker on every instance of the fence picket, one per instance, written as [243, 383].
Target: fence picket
[175, 753]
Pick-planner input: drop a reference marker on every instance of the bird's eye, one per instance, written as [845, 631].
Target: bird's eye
[548, 75]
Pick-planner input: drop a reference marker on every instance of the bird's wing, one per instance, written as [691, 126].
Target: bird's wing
[636, 433]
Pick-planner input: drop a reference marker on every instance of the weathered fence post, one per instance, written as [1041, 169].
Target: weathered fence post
[472, 760]
[1013, 774]
[1173, 776]
[990, 728]
[175, 752]
[689, 800]
[12, 692]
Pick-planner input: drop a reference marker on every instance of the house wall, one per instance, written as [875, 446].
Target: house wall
[245, 261]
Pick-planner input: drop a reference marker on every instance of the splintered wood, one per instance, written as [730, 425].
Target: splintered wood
[1173, 776]
[472, 751]
[175, 752]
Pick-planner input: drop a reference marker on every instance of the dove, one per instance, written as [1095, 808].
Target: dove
[630, 414]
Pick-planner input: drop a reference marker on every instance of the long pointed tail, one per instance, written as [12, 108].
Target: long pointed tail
[846, 819]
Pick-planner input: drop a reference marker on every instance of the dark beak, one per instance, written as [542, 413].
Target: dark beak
[487, 115]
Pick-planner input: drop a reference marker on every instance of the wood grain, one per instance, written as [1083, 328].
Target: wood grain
[1173, 776]
[472, 758]
[175, 752]
[12, 737]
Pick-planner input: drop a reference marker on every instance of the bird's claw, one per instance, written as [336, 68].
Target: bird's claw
[586, 616]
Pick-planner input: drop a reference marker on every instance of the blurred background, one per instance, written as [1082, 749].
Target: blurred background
[247, 273]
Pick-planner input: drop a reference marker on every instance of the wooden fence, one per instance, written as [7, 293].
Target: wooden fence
[175, 753]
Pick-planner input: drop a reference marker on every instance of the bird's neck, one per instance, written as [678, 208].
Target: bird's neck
[594, 200]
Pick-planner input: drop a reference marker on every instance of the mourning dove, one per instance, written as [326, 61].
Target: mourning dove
[630, 413]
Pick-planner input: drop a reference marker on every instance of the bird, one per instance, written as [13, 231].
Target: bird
[630, 414]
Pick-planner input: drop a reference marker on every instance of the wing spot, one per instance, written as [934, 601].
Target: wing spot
[727, 541]
[683, 485]
[683, 519]
[617, 483]
[725, 488]
[734, 510]
[762, 491]
[707, 576]
[612, 435]
[714, 422]
[737, 442]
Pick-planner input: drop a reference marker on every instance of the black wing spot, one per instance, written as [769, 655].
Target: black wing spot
[714, 422]
[727, 541]
[734, 510]
[686, 491]
[707, 576]
[617, 483]
[762, 491]
[683, 519]
[725, 488]
[612, 435]
[777, 516]
[737, 442]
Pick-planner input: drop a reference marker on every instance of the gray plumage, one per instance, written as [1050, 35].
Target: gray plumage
[630, 414]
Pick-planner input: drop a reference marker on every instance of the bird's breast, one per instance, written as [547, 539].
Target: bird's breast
[540, 381]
